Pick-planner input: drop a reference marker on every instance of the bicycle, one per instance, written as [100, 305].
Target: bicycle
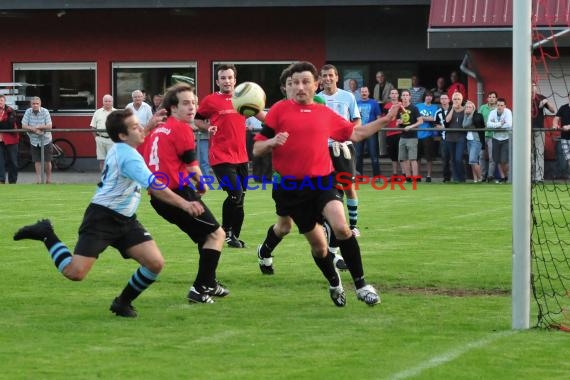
[63, 157]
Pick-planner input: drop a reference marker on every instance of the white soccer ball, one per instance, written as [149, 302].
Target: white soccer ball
[248, 99]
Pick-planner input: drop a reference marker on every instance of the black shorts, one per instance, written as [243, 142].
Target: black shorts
[393, 145]
[103, 227]
[232, 178]
[197, 228]
[37, 153]
[305, 205]
[343, 165]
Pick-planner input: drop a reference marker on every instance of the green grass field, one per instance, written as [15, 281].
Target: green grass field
[440, 255]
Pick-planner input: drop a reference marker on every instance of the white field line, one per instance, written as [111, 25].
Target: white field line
[449, 356]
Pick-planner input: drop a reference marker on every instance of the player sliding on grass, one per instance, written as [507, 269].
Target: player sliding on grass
[110, 218]
[296, 131]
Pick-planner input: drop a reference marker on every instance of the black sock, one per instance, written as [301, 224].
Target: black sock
[141, 279]
[350, 251]
[238, 217]
[227, 214]
[326, 266]
[271, 241]
[207, 265]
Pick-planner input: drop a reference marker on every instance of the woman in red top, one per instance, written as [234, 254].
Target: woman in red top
[8, 143]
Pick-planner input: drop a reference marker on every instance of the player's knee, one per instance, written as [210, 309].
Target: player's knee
[319, 251]
[75, 273]
[156, 264]
[218, 237]
[342, 232]
[282, 229]
[237, 198]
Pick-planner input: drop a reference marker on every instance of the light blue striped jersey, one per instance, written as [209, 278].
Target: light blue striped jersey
[124, 174]
[343, 103]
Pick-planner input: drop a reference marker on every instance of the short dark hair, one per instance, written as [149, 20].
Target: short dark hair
[427, 93]
[408, 91]
[170, 97]
[328, 66]
[115, 123]
[227, 66]
[501, 100]
[299, 67]
[286, 73]
[492, 92]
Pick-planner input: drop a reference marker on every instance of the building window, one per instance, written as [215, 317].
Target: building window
[62, 87]
[150, 77]
[265, 74]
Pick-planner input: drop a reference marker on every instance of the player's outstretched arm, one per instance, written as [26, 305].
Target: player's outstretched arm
[362, 132]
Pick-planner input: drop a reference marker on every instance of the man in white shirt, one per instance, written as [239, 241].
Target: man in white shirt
[501, 117]
[102, 140]
[141, 109]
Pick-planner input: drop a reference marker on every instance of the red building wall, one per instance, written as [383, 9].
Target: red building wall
[202, 35]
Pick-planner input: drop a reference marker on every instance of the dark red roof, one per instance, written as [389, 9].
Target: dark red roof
[495, 13]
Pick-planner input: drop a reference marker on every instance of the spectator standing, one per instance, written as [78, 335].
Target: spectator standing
[438, 90]
[487, 164]
[261, 166]
[455, 140]
[382, 89]
[539, 103]
[426, 132]
[474, 119]
[393, 132]
[501, 117]
[369, 111]
[410, 119]
[203, 142]
[353, 88]
[37, 121]
[441, 124]
[562, 121]
[456, 86]
[156, 102]
[344, 104]
[228, 151]
[140, 108]
[8, 143]
[103, 142]
[416, 92]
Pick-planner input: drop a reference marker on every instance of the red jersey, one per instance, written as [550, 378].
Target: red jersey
[392, 124]
[306, 152]
[8, 138]
[456, 87]
[227, 145]
[163, 149]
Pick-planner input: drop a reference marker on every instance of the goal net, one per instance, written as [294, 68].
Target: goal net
[550, 191]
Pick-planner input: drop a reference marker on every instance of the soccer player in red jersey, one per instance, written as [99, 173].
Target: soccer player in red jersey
[228, 152]
[296, 131]
[170, 154]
